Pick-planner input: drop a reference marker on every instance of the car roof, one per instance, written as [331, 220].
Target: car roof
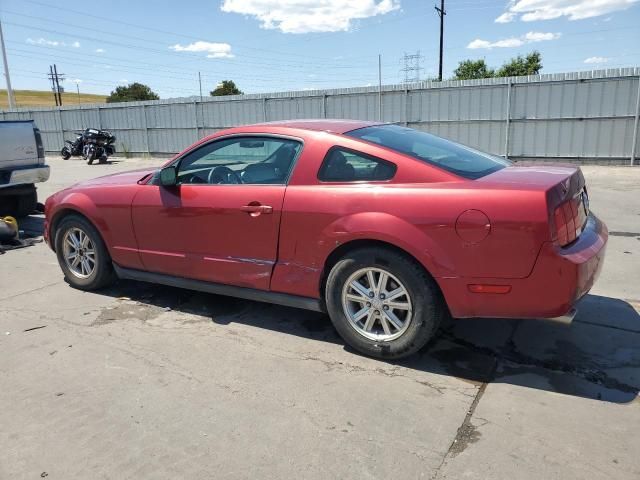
[320, 125]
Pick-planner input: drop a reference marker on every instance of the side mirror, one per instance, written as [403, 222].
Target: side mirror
[168, 176]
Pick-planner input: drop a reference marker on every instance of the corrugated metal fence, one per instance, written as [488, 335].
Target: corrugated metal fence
[586, 116]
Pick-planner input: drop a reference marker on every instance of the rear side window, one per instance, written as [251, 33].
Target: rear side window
[453, 157]
[344, 165]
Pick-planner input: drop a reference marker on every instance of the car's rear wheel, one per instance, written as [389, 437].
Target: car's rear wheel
[82, 254]
[383, 303]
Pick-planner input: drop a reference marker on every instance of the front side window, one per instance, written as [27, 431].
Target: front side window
[343, 165]
[450, 156]
[240, 160]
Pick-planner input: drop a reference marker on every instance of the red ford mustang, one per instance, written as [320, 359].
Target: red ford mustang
[386, 228]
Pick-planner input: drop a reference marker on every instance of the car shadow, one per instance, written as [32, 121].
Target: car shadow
[597, 357]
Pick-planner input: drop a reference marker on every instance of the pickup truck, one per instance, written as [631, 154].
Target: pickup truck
[21, 167]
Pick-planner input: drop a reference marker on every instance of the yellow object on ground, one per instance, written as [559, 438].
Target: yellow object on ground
[9, 228]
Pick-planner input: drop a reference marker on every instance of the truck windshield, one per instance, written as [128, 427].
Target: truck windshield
[450, 156]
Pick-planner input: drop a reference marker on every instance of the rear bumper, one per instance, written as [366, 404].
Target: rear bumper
[560, 277]
[25, 176]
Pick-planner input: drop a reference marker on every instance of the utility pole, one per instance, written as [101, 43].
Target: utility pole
[12, 103]
[441, 13]
[379, 87]
[78, 89]
[53, 85]
[57, 77]
[200, 82]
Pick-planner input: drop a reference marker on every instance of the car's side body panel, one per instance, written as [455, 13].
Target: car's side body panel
[109, 210]
[201, 232]
[419, 219]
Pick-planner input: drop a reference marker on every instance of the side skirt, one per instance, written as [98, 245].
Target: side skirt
[285, 299]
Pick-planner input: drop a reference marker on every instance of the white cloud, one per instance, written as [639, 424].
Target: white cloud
[77, 81]
[123, 80]
[305, 16]
[44, 41]
[533, 10]
[540, 36]
[506, 17]
[51, 43]
[596, 60]
[512, 42]
[213, 50]
[99, 50]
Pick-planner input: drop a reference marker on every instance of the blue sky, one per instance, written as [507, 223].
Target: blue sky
[277, 45]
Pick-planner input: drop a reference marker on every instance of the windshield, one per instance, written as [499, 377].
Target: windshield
[450, 156]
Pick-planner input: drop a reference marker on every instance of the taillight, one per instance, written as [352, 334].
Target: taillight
[569, 219]
[39, 145]
[562, 236]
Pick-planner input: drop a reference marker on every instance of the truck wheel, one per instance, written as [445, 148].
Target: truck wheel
[383, 303]
[82, 254]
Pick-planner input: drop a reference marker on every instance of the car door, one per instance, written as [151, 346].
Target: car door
[220, 222]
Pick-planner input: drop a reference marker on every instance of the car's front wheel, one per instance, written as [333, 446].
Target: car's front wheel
[82, 254]
[383, 303]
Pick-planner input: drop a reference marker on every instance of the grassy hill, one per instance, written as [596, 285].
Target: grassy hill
[36, 98]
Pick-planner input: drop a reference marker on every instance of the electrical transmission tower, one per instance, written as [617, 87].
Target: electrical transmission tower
[412, 67]
[56, 78]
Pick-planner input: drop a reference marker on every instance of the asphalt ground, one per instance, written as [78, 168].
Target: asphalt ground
[143, 381]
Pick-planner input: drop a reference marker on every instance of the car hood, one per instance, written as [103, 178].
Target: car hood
[122, 178]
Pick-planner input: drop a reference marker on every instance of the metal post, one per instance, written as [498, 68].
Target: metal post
[200, 82]
[379, 87]
[78, 89]
[264, 108]
[12, 103]
[146, 130]
[406, 106]
[195, 117]
[61, 125]
[324, 106]
[508, 122]
[635, 127]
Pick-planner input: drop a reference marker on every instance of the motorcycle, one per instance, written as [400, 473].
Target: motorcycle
[90, 144]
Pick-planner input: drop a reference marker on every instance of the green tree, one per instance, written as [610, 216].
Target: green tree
[131, 93]
[519, 66]
[470, 69]
[226, 87]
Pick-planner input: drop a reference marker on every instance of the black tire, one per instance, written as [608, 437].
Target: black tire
[103, 274]
[428, 306]
[66, 153]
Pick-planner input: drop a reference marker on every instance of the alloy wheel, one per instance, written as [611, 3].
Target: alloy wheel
[79, 253]
[377, 304]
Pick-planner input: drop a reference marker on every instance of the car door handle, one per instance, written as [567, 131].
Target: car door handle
[256, 209]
